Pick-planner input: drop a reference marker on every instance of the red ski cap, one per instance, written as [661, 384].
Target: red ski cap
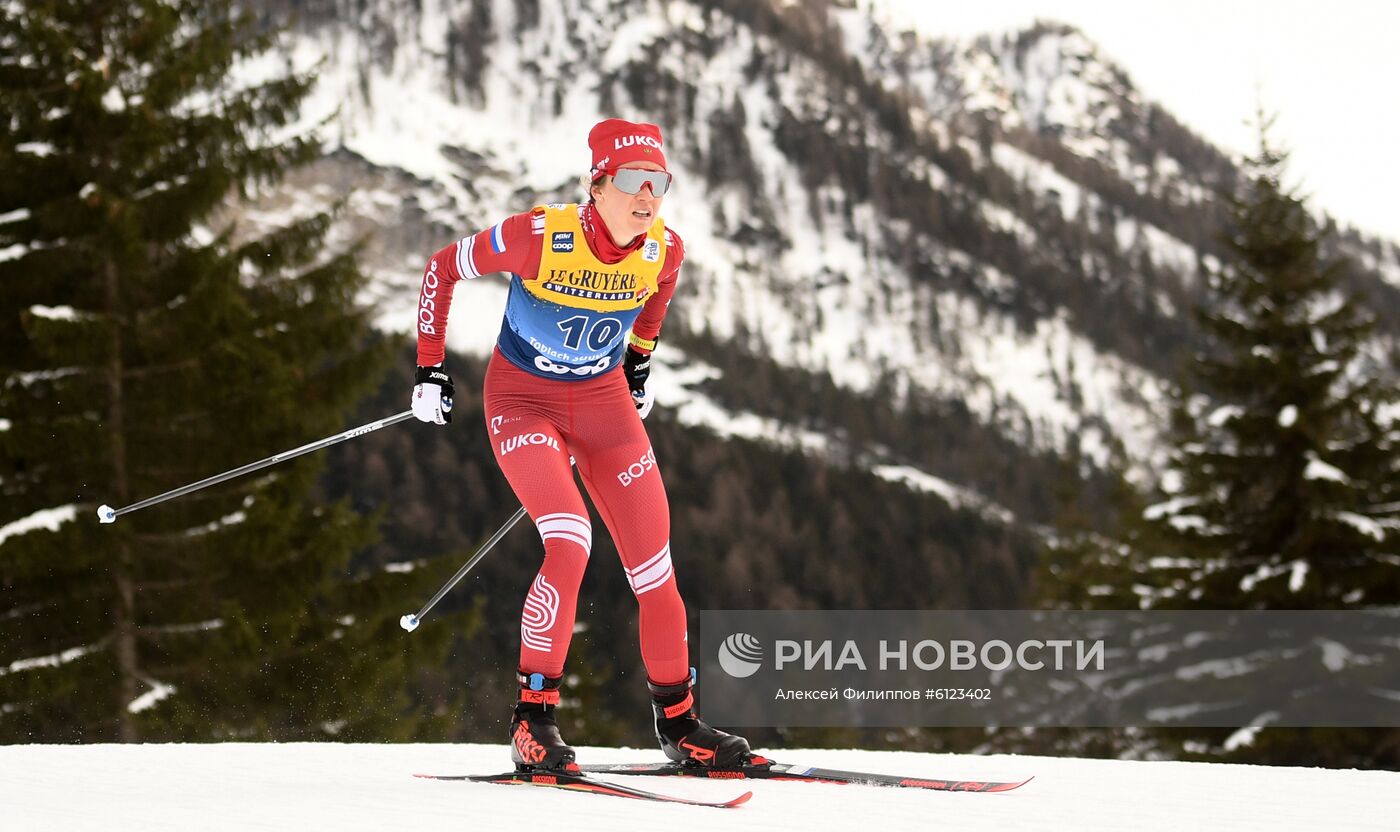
[616, 142]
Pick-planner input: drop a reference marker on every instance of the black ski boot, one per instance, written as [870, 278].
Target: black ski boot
[685, 738]
[535, 743]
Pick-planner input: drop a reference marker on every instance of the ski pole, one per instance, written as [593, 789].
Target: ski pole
[410, 621]
[107, 514]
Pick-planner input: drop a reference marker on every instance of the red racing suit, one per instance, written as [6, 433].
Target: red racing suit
[554, 390]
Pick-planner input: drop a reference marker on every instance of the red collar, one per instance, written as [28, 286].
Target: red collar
[600, 239]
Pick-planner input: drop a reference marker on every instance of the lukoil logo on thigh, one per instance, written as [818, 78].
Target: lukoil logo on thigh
[525, 439]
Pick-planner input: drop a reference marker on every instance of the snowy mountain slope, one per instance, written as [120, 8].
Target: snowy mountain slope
[1003, 223]
[1049, 79]
[402, 117]
[145, 788]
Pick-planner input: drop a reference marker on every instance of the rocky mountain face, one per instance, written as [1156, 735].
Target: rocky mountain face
[951, 262]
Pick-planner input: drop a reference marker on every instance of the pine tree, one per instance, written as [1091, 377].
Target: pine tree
[1287, 475]
[144, 344]
[1085, 566]
[1283, 482]
[1285, 471]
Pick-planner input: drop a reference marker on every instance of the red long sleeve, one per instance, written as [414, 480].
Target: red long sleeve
[507, 246]
[648, 324]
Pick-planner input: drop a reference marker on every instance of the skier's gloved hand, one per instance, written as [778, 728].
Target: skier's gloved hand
[432, 395]
[637, 368]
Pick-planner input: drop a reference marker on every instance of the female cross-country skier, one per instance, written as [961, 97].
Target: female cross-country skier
[589, 288]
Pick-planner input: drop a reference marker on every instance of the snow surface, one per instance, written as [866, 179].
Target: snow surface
[149, 788]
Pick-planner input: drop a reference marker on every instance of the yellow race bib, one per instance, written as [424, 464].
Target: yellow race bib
[571, 276]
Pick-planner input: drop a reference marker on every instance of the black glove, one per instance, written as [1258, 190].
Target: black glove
[432, 395]
[637, 368]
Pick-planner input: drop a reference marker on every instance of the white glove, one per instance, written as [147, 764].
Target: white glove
[644, 399]
[432, 395]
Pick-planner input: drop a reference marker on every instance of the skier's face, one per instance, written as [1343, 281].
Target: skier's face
[627, 215]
